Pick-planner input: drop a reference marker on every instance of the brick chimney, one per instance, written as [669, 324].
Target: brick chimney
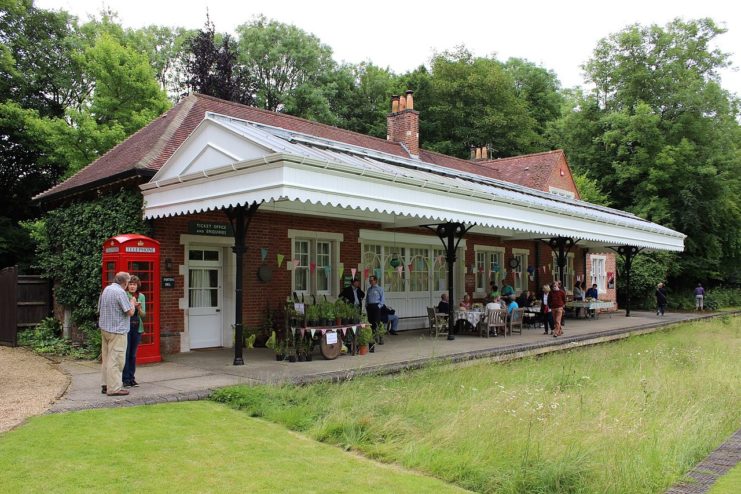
[403, 123]
[479, 153]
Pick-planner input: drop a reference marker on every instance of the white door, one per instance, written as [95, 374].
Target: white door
[204, 297]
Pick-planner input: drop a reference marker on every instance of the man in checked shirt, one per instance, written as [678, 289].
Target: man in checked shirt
[115, 308]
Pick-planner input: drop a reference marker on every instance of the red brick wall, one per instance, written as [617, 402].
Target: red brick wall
[270, 230]
[565, 181]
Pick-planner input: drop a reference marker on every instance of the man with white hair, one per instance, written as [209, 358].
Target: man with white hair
[115, 308]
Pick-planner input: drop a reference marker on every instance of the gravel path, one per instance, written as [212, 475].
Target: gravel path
[29, 384]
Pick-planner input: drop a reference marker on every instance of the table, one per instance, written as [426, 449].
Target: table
[593, 305]
[473, 316]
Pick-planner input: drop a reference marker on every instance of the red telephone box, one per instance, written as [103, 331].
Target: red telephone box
[138, 255]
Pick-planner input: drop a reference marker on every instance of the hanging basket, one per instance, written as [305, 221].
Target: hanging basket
[395, 262]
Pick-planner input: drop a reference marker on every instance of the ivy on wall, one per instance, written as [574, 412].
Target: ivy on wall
[69, 246]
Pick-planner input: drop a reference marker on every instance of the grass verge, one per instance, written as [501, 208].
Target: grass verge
[626, 417]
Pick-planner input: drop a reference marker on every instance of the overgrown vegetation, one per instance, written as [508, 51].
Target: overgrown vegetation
[46, 338]
[625, 417]
[69, 241]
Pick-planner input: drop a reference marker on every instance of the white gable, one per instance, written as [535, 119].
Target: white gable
[210, 146]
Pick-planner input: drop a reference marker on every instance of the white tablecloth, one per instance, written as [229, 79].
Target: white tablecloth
[472, 316]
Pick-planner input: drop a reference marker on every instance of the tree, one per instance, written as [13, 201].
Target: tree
[285, 62]
[661, 136]
[472, 102]
[212, 67]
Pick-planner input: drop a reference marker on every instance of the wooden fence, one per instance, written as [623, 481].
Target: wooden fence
[24, 301]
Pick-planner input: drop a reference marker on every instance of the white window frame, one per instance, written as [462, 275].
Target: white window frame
[483, 278]
[598, 272]
[568, 272]
[313, 238]
[561, 192]
[521, 275]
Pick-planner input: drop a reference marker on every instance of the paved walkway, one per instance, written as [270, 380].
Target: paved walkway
[195, 375]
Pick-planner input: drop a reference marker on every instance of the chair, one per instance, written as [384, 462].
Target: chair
[438, 322]
[515, 320]
[495, 319]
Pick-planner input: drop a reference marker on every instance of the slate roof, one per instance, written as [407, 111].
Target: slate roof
[148, 149]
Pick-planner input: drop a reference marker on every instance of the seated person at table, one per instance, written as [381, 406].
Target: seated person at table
[592, 292]
[531, 299]
[578, 291]
[443, 307]
[493, 292]
[466, 302]
[512, 305]
[494, 304]
[389, 315]
[522, 299]
[507, 290]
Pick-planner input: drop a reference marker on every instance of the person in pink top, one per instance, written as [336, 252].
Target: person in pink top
[556, 302]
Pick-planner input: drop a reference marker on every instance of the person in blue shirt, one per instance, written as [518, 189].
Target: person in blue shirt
[512, 305]
[592, 292]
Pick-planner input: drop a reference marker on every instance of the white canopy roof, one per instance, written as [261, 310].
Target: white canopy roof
[227, 161]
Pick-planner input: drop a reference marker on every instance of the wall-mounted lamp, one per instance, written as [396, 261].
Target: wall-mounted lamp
[168, 264]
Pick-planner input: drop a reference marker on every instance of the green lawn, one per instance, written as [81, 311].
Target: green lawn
[730, 483]
[624, 417]
[185, 447]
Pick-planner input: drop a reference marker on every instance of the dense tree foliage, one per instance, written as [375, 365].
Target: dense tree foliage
[661, 137]
[68, 93]
[69, 243]
[657, 135]
[212, 68]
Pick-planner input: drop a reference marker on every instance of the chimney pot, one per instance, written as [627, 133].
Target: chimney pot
[478, 153]
[473, 153]
[410, 100]
[484, 153]
[394, 103]
[402, 103]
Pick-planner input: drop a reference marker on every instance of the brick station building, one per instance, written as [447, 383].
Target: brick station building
[323, 203]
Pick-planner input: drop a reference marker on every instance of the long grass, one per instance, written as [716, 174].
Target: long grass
[182, 448]
[625, 417]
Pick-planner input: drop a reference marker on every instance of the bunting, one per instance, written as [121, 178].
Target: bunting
[312, 266]
[280, 259]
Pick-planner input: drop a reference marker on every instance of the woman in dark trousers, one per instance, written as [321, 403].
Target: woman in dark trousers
[660, 300]
[545, 310]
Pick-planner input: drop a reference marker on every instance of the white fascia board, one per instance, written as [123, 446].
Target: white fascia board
[280, 177]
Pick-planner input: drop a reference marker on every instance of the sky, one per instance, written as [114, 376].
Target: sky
[559, 36]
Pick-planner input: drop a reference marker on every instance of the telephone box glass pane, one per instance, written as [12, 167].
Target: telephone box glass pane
[145, 271]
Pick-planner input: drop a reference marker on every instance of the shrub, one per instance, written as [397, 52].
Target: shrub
[46, 338]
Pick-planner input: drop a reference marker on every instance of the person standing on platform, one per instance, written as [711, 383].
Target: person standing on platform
[699, 297]
[374, 300]
[115, 311]
[556, 302]
[136, 328]
[352, 294]
[660, 299]
[546, 311]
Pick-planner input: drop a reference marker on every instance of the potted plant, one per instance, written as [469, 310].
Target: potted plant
[364, 339]
[278, 346]
[312, 315]
[326, 313]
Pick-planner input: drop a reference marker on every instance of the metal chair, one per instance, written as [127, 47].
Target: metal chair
[438, 322]
[495, 319]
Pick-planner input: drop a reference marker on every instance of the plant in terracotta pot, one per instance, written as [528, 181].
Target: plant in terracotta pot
[364, 339]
